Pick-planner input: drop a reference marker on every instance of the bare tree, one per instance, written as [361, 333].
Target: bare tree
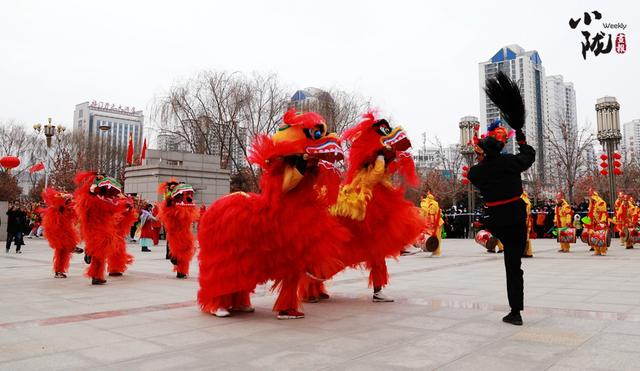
[444, 179]
[220, 113]
[568, 153]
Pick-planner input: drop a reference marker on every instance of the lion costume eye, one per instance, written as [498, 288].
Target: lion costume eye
[315, 133]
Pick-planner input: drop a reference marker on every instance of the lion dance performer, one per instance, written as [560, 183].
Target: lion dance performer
[100, 211]
[498, 178]
[369, 200]
[528, 251]
[119, 260]
[621, 211]
[430, 209]
[563, 220]
[178, 212]
[59, 222]
[629, 222]
[599, 237]
[280, 234]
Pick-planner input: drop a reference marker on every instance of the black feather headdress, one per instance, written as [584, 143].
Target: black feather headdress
[505, 94]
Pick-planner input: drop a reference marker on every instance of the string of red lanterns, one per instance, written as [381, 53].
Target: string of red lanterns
[617, 165]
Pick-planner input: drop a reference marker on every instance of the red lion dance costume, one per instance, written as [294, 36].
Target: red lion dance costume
[371, 206]
[282, 233]
[59, 221]
[100, 212]
[118, 262]
[178, 212]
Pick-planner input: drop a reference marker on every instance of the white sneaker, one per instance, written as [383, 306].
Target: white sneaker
[379, 297]
[221, 312]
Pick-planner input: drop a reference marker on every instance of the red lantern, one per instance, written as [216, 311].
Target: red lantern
[465, 181]
[465, 168]
[9, 162]
[617, 163]
[604, 172]
[617, 156]
[604, 157]
[604, 165]
[617, 171]
[464, 174]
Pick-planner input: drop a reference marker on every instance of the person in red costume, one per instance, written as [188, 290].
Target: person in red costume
[280, 234]
[369, 201]
[178, 212]
[119, 260]
[59, 221]
[99, 212]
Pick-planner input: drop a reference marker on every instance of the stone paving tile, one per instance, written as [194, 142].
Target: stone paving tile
[447, 315]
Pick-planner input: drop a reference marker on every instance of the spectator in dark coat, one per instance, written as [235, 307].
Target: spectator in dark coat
[16, 224]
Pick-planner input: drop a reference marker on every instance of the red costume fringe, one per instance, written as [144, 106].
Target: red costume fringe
[58, 221]
[177, 222]
[119, 261]
[247, 239]
[98, 224]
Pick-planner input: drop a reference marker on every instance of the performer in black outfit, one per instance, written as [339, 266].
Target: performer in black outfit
[497, 176]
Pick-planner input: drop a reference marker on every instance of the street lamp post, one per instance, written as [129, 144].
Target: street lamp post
[468, 125]
[49, 130]
[609, 136]
[104, 128]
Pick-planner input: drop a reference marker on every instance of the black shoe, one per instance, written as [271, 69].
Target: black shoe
[115, 274]
[60, 275]
[78, 250]
[513, 318]
[87, 259]
[97, 281]
[312, 299]
[323, 296]
[144, 249]
[174, 261]
[18, 252]
[592, 249]
[527, 256]
[500, 251]
[181, 275]
[629, 247]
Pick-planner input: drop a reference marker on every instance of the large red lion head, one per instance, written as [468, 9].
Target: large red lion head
[57, 199]
[104, 188]
[373, 137]
[177, 193]
[302, 135]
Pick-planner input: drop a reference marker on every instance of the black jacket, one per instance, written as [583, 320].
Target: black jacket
[498, 178]
[16, 221]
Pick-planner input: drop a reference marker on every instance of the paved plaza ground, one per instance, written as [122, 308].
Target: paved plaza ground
[583, 312]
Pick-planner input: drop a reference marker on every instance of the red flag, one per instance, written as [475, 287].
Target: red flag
[130, 150]
[37, 167]
[143, 154]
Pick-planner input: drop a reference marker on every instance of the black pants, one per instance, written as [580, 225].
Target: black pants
[514, 239]
[17, 237]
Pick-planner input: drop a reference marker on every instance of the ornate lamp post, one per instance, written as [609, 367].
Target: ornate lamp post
[609, 136]
[49, 130]
[468, 126]
[104, 129]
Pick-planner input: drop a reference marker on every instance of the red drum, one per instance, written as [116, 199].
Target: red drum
[600, 238]
[485, 239]
[584, 237]
[431, 244]
[567, 235]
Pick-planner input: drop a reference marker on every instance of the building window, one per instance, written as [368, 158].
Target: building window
[80, 113]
